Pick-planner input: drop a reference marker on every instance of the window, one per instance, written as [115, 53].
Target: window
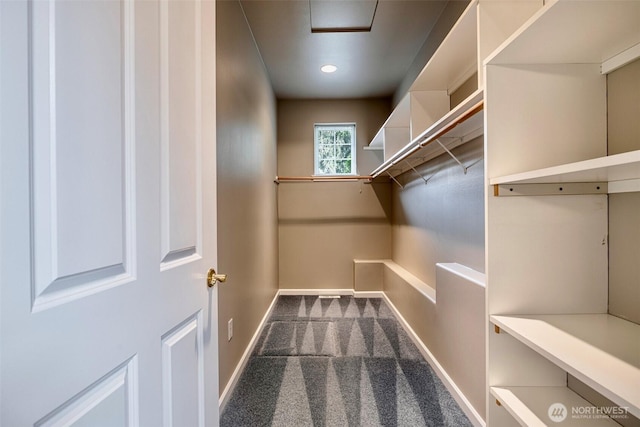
[335, 149]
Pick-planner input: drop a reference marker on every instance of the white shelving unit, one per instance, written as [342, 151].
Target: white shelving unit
[448, 129]
[546, 123]
[425, 109]
[541, 101]
[446, 105]
[425, 124]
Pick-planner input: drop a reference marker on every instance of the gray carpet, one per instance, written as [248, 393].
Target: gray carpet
[338, 362]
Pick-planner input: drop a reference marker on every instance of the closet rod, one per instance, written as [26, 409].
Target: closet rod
[428, 140]
[346, 178]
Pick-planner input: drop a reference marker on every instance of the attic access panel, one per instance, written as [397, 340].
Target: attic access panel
[342, 16]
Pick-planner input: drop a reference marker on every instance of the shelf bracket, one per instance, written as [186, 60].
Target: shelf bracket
[464, 168]
[395, 180]
[551, 189]
[426, 181]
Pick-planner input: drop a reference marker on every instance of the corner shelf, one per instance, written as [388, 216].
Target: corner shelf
[601, 350]
[530, 406]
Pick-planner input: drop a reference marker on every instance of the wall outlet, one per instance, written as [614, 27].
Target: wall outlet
[230, 329]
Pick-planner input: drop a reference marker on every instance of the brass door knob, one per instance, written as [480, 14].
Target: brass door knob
[213, 278]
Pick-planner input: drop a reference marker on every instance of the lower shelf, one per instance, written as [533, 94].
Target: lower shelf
[600, 350]
[544, 406]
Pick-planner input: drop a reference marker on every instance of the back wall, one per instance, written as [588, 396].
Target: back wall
[324, 226]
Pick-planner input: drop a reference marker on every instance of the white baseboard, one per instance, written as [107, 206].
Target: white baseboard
[457, 394]
[321, 292]
[368, 294]
[315, 292]
[228, 390]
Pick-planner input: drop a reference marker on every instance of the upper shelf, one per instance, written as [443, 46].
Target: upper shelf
[573, 32]
[460, 125]
[456, 58]
[618, 168]
[600, 350]
[426, 108]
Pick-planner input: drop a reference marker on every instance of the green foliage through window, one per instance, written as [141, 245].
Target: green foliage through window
[335, 149]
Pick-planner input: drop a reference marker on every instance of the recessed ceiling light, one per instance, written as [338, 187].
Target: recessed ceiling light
[328, 68]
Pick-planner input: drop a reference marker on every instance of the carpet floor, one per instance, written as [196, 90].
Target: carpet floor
[338, 362]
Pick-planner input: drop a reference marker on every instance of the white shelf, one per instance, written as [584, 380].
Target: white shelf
[615, 168]
[530, 406]
[459, 134]
[600, 350]
[456, 58]
[401, 115]
[556, 34]
[422, 109]
[400, 118]
[377, 143]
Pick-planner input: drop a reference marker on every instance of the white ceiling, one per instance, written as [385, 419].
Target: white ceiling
[370, 64]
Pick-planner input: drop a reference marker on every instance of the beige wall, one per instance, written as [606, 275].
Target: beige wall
[442, 221]
[323, 227]
[247, 212]
[623, 87]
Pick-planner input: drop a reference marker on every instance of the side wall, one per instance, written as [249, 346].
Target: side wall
[623, 87]
[623, 105]
[247, 211]
[442, 221]
[323, 227]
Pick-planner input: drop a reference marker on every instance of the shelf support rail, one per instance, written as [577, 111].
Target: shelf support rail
[464, 168]
[395, 180]
[426, 180]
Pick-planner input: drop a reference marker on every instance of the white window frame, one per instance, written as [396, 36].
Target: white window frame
[354, 145]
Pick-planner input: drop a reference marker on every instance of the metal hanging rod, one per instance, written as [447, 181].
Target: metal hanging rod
[462, 118]
[346, 178]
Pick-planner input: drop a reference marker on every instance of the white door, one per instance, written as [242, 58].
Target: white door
[108, 220]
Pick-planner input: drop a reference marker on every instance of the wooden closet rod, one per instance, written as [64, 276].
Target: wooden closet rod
[462, 118]
[348, 178]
